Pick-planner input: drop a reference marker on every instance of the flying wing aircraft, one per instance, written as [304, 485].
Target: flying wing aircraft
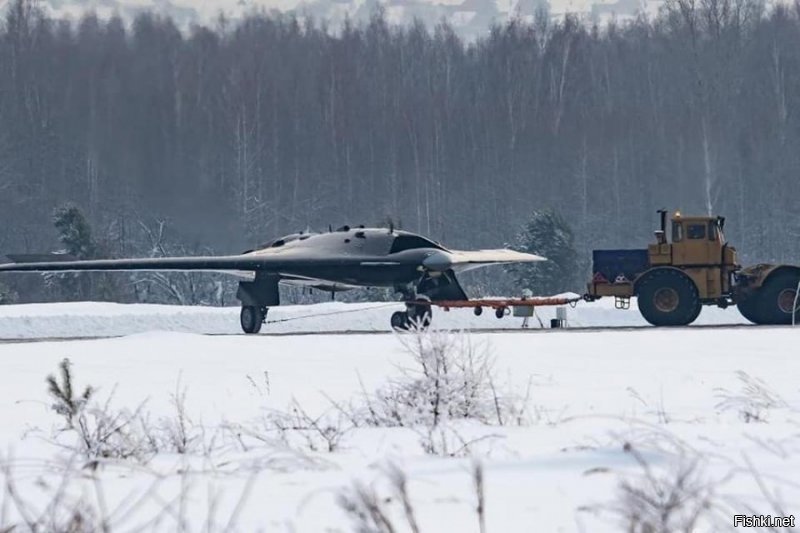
[414, 266]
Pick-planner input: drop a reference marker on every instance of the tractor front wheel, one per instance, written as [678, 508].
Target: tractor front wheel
[668, 297]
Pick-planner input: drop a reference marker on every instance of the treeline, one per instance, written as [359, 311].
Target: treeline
[219, 138]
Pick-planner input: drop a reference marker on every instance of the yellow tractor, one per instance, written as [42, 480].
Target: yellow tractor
[672, 279]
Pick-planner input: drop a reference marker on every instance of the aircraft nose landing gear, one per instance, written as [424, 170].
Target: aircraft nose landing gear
[416, 316]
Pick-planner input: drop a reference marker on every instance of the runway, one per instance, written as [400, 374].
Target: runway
[520, 331]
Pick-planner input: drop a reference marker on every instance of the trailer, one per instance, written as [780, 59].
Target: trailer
[522, 307]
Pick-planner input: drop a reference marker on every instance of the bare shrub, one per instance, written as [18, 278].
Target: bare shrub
[449, 383]
[772, 497]
[673, 500]
[296, 428]
[447, 440]
[753, 402]
[72, 502]
[451, 379]
[371, 512]
[178, 433]
[103, 431]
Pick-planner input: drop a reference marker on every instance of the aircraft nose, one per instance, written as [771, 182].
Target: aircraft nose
[438, 261]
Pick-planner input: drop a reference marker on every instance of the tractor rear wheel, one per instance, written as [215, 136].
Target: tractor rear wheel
[776, 298]
[749, 307]
[251, 318]
[668, 297]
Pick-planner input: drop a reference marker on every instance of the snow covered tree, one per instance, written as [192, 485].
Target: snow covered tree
[547, 234]
[75, 234]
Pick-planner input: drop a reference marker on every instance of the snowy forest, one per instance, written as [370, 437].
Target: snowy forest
[215, 139]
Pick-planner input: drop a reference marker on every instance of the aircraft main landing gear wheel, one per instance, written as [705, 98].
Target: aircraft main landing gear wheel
[251, 318]
[414, 317]
[420, 316]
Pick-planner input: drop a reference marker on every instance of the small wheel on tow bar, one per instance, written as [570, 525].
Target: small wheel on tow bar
[478, 311]
[500, 312]
[251, 318]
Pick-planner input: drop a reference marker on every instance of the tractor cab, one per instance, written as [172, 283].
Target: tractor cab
[694, 242]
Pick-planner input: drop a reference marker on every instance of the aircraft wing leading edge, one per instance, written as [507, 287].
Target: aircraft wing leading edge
[467, 260]
[247, 262]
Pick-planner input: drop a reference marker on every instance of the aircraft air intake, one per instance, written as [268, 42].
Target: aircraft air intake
[438, 261]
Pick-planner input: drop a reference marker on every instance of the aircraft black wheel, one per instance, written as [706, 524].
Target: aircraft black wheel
[420, 316]
[251, 318]
[749, 307]
[668, 297]
[776, 299]
[400, 321]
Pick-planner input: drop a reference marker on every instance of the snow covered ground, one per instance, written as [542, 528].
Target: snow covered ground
[711, 415]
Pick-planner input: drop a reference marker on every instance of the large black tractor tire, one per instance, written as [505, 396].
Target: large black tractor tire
[251, 318]
[668, 297]
[695, 314]
[776, 299]
[750, 307]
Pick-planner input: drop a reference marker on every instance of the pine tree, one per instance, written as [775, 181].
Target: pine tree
[75, 234]
[547, 234]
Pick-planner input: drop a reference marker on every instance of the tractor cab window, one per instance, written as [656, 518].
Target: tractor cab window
[696, 231]
[713, 230]
[677, 231]
[411, 242]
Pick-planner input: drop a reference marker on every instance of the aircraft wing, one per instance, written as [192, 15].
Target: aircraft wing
[233, 263]
[259, 261]
[467, 260]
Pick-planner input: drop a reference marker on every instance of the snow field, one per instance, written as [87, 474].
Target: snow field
[677, 396]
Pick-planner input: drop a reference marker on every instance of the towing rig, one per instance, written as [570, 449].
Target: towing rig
[673, 279]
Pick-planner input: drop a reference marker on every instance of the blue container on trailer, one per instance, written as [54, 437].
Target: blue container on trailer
[614, 263]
